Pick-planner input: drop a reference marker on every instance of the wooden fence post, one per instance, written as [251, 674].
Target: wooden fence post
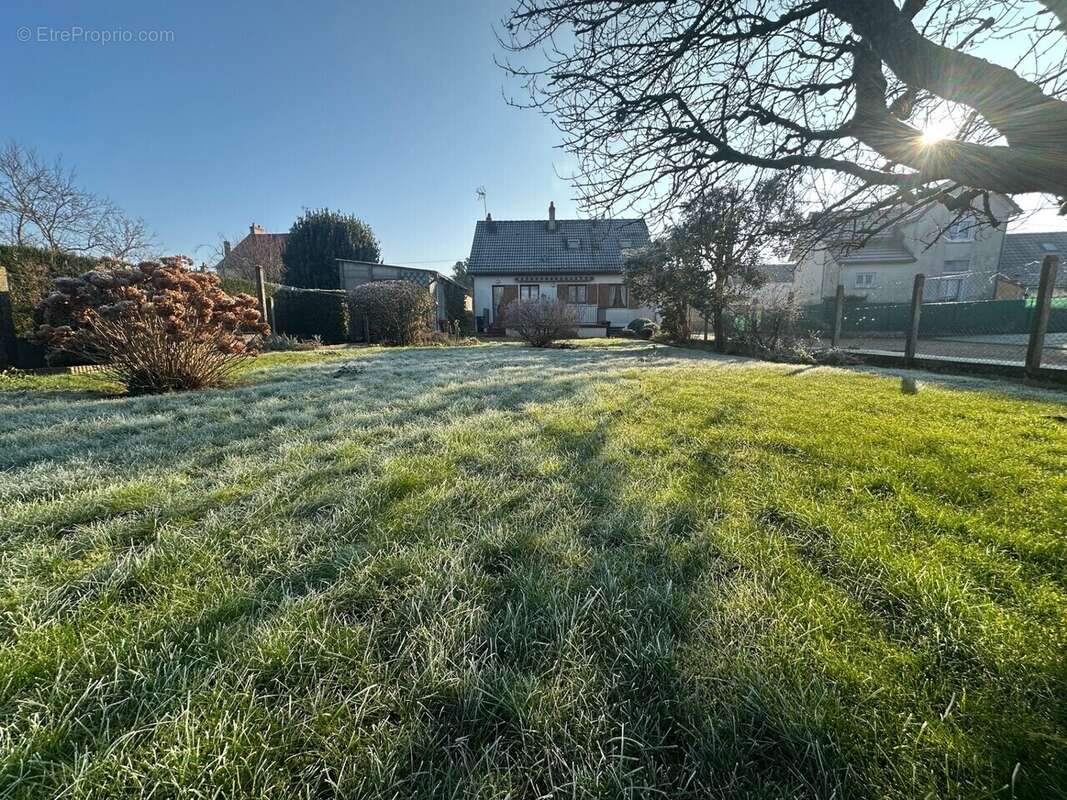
[7, 324]
[839, 316]
[1045, 290]
[261, 290]
[270, 315]
[913, 323]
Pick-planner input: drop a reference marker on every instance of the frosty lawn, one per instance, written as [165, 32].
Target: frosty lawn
[493, 572]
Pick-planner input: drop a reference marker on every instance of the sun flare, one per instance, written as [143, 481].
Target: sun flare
[935, 132]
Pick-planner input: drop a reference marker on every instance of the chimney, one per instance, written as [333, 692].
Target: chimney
[254, 229]
[488, 217]
[225, 248]
[551, 216]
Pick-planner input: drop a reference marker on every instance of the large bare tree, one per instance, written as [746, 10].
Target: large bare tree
[659, 99]
[42, 204]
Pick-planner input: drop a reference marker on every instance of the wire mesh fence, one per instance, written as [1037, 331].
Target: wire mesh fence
[957, 317]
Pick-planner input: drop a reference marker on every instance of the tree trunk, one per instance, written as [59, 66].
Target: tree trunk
[719, 323]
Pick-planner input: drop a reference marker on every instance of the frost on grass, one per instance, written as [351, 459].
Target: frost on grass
[495, 571]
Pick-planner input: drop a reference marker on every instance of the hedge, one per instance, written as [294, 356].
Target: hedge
[31, 272]
[312, 312]
[391, 312]
[234, 285]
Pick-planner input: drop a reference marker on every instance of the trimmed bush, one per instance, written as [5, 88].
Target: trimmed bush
[158, 327]
[648, 330]
[638, 324]
[307, 313]
[541, 322]
[396, 312]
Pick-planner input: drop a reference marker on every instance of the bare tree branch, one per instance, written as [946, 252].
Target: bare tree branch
[660, 100]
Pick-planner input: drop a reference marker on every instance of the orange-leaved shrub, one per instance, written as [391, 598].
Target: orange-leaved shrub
[157, 327]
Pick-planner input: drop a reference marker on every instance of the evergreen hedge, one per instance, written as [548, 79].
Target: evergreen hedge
[31, 273]
[312, 312]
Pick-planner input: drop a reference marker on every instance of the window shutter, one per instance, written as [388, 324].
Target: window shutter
[603, 295]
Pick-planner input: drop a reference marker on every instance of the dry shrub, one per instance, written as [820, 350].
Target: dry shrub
[541, 322]
[397, 312]
[773, 330]
[158, 327]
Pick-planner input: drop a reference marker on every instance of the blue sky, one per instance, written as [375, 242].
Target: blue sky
[389, 109]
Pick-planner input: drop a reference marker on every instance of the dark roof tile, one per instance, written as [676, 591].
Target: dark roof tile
[1023, 254]
[595, 246]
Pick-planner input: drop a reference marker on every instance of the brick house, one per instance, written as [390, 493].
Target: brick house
[258, 247]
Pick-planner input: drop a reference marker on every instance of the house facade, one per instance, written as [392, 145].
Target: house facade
[960, 260]
[452, 300]
[577, 261]
[257, 248]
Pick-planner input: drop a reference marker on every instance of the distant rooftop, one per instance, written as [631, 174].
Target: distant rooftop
[1023, 254]
[779, 273]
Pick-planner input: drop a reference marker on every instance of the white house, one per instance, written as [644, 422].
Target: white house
[959, 259]
[578, 261]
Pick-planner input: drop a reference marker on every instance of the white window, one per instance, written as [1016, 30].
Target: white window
[962, 230]
[617, 296]
[950, 289]
[573, 244]
[865, 280]
[529, 291]
[576, 293]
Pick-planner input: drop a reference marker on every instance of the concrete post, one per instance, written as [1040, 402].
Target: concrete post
[270, 315]
[8, 346]
[1045, 290]
[913, 324]
[839, 316]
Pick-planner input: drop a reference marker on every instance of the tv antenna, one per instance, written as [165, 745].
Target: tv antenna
[480, 193]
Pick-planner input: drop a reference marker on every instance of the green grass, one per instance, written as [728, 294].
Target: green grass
[498, 572]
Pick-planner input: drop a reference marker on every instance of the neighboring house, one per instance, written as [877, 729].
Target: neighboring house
[1021, 260]
[578, 261]
[959, 264]
[258, 248]
[452, 300]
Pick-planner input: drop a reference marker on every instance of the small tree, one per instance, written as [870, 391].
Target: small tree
[461, 275]
[727, 233]
[397, 312]
[318, 239]
[712, 258]
[158, 327]
[541, 322]
[667, 276]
